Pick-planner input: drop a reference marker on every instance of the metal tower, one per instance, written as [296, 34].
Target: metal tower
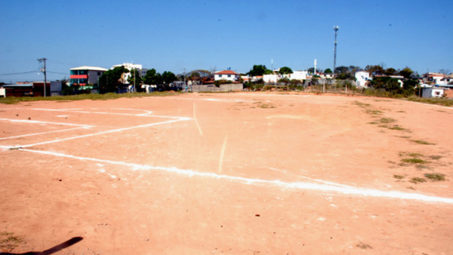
[335, 28]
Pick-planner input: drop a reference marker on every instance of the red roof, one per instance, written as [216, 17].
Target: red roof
[226, 72]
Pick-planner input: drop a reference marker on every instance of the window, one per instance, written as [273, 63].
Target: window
[229, 75]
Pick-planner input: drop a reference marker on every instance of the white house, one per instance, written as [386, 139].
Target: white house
[271, 78]
[362, 78]
[432, 92]
[298, 75]
[227, 75]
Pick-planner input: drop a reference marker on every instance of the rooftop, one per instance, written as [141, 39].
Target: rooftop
[92, 68]
[226, 72]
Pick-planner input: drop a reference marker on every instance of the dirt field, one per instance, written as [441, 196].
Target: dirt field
[233, 173]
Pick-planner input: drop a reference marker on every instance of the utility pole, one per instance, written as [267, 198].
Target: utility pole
[44, 71]
[335, 28]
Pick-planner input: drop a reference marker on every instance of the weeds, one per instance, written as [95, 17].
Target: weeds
[422, 142]
[435, 157]
[416, 180]
[440, 101]
[435, 176]
[386, 120]
[399, 177]
[413, 161]
[8, 241]
[363, 245]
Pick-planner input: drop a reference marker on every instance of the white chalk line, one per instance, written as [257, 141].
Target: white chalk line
[194, 115]
[40, 133]
[343, 189]
[145, 113]
[105, 132]
[47, 122]
[222, 154]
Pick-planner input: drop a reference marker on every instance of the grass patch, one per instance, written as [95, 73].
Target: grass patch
[435, 157]
[373, 112]
[439, 101]
[416, 180]
[363, 105]
[435, 176]
[422, 142]
[386, 120]
[107, 96]
[414, 160]
[396, 127]
[363, 245]
[264, 105]
[397, 176]
[8, 241]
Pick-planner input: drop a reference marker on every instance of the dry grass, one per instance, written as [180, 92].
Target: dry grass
[9, 241]
[435, 176]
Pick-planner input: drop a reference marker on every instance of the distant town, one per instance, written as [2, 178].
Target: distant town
[131, 78]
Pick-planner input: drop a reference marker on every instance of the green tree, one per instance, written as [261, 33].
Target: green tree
[406, 72]
[285, 70]
[374, 69]
[390, 71]
[152, 77]
[328, 70]
[259, 70]
[135, 79]
[168, 77]
[111, 79]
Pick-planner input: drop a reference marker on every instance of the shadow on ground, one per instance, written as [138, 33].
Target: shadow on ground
[52, 250]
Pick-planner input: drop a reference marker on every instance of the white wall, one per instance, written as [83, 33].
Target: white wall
[361, 78]
[228, 77]
[298, 75]
[271, 78]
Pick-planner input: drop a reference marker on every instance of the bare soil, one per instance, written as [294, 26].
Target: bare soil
[120, 176]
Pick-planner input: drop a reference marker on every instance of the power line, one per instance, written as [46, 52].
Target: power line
[4, 74]
[57, 72]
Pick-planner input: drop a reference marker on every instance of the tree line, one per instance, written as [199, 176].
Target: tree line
[111, 80]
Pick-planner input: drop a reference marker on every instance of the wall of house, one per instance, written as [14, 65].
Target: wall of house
[432, 92]
[362, 78]
[221, 88]
[228, 77]
[93, 76]
[298, 75]
[270, 78]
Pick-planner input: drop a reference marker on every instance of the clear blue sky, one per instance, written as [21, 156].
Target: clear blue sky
[173, 35]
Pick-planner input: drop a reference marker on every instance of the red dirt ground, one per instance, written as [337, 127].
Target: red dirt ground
[104, 195]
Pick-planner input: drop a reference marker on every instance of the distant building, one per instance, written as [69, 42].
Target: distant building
[298, 75]
[362, 78]
[437, 78]
[432, 92]
[271, 78]
[27, 89]
[84, 77]
[227, 75]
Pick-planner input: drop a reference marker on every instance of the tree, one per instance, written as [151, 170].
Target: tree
[311, 70]
[135, 80]
[406, 72]
[390, 71]
[152, 77]
[168, 77]
[328, 70]
[110, 80]
[259, 70]
[285, 70]
[374, 69]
